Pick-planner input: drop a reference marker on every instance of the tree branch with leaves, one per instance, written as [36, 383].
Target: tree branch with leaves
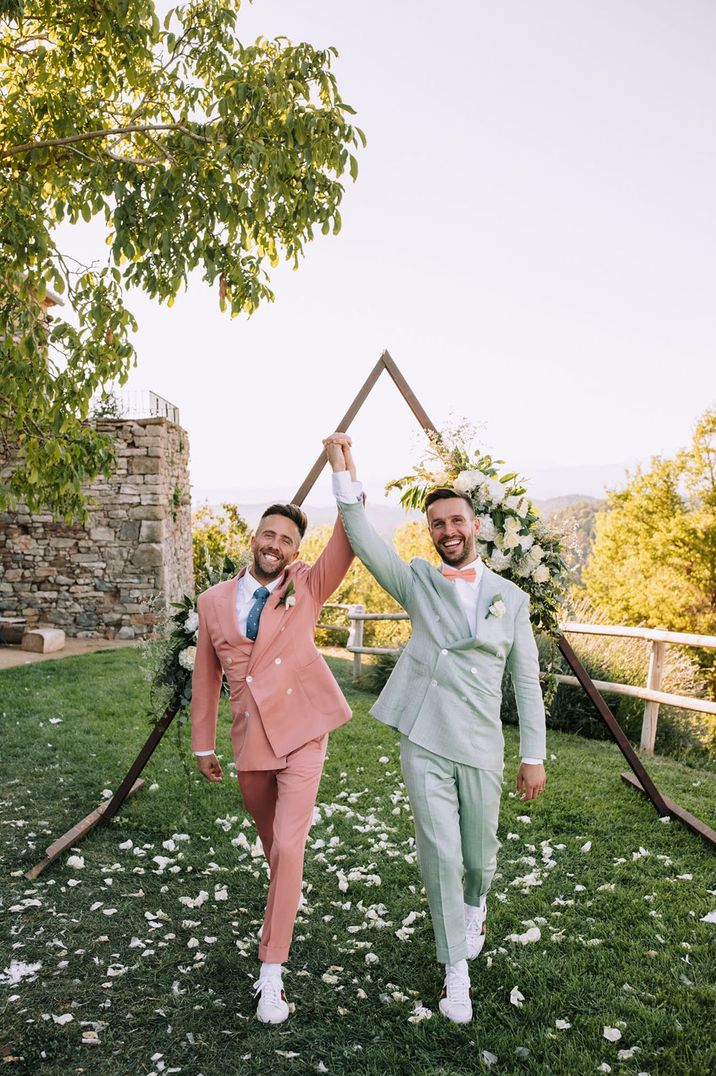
[198, 152]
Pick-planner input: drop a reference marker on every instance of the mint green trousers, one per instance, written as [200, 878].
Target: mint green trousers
[456, 810]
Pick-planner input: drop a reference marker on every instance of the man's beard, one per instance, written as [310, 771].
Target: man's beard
[461, 554]
[269, 571]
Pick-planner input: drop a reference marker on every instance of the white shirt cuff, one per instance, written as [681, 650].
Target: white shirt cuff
[344, 488]
[533, 761]
[200, 753]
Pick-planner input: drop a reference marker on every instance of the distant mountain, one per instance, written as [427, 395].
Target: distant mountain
[551, 505]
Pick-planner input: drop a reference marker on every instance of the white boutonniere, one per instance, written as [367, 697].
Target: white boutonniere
[288, 598]
[497, 609]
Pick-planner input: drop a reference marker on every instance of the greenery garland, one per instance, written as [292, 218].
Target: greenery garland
[512, 539]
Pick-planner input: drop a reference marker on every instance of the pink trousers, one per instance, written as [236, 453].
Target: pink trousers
[281, 804]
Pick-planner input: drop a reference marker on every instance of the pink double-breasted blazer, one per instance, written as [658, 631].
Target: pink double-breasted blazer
[282, 692]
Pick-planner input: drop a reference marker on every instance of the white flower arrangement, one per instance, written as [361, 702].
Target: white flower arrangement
[498, 608]
[187, 658]
[512, 540]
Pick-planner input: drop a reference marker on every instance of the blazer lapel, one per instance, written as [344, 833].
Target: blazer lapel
[445, 591]
[226, 611]
[489, 590]
[271, 619]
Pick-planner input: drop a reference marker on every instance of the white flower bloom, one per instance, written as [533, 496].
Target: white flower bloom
[467, 480]
[492, 491]
[499, 560]
[487, 530]
[187, 658]
[290, 601]
[512, 502]
[498, 608]
[536, 553]
[511, 540]
[526, 541]
[523, 569]
[512, 523]
[541, 574]
[192, 622]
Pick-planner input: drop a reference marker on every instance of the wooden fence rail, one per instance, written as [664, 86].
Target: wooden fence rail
[650, 693]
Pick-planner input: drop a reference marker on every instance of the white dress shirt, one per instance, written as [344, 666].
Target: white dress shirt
[468, 593]
[245, 596]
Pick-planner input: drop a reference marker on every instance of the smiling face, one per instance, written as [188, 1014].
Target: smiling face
[274, 546]
[453, 529]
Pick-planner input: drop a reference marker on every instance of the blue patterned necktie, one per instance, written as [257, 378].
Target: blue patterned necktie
[252, 621]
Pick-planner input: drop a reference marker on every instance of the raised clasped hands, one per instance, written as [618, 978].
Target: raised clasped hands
[339, 452]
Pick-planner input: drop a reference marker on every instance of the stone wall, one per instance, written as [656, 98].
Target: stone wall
[117, 575]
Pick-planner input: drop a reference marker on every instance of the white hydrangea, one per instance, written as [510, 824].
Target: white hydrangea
[187, 658]
[487, 529]
[541, 574]
[192, 622]
[467, 480]
[492, 490]
[499, 560]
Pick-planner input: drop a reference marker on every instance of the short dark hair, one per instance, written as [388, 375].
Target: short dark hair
[290, 511]
[444, 494]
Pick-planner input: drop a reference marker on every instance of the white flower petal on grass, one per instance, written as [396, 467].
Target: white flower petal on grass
[516, 997]
[524, 818]
[586, 847]
[612, 1034]
[66, 1018]
[194, 902]
[90, 1038]
[420, 1012]
[522, 1052]
[17, 970]
[562, 1025]
[604, 1067]
[287, 1053]
[126, 845]
[710, 917]
[532, 935]
[76, 862]
[220, 892]
[371, 958]
[626, 1055]
[488, 1058]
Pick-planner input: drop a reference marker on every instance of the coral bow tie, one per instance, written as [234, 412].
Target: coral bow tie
[469, 575]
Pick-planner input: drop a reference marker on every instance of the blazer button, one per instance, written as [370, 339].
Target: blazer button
[249, 679]
[473, 670]
[278, 661]
[229, 661]
[433, 683]
[289, 691]
[443, 652]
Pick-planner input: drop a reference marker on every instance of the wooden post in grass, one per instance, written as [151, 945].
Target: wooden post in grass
[651, 709]
[106, 812]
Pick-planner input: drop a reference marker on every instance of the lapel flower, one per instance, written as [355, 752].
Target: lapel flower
[497, 608]
[288, 598]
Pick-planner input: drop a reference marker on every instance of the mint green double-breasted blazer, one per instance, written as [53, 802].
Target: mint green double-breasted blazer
[446, 689]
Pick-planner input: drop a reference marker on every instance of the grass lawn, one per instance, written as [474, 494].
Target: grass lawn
[147, 944]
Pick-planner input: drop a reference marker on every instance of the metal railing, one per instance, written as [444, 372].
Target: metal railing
[133, 403]
[651, 693]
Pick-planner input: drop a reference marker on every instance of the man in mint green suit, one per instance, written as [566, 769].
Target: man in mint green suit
[444, 698]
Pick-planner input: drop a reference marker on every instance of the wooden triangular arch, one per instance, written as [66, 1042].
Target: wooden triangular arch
[640, 779]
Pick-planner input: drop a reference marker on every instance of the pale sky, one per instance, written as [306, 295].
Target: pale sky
[531, 236]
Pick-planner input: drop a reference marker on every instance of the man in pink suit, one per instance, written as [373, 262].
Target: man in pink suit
[257, 630]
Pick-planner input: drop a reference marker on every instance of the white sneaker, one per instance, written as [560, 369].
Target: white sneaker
[475, 931]
[272, 1007]
[456, 998]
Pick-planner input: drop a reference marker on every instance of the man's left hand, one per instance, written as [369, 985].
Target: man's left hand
[531, 781]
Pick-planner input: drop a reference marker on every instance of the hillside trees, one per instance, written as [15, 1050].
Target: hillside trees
[196, 151]
[654, 556]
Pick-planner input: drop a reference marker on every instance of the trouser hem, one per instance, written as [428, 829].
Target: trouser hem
[452, 954]
[273, 954]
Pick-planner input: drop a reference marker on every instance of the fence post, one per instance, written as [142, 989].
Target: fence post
[651, 709]
[355, 637]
